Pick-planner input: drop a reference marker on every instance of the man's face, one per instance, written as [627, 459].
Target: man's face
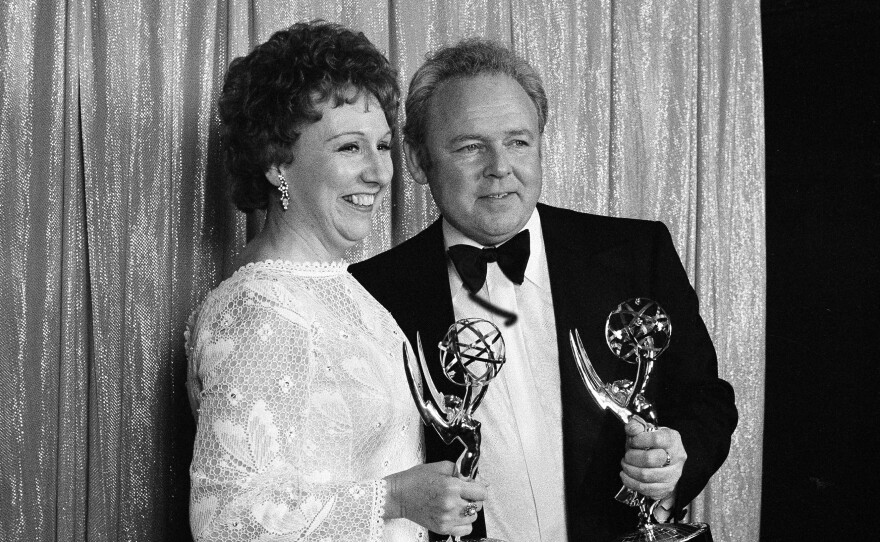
[485, 149]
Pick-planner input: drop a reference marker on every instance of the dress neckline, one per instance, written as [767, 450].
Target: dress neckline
[308, 268]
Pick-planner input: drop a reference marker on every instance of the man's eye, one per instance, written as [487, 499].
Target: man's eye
[473, 147]
[519, 143]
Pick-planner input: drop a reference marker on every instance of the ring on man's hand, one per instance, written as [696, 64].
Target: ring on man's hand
[668, 459]
[470, 509]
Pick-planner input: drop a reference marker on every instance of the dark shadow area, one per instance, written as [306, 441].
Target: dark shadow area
[182, 427]
[821, 63]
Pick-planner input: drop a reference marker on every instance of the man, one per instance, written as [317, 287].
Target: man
[553, 461]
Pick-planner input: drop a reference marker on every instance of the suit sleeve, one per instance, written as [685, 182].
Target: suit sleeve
[687, 393]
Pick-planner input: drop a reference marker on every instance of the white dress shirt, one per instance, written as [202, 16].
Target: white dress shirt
[521, 414]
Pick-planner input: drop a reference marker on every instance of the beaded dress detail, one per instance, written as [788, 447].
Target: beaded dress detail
[297, 382]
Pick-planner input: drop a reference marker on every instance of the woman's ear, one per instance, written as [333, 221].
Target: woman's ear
[414, 165]
[273, 175]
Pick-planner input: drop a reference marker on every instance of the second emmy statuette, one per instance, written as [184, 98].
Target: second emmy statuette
[637, 332]
[471, 355]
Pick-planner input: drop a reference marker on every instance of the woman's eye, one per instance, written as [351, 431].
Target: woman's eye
[384, 146]
[350, 147]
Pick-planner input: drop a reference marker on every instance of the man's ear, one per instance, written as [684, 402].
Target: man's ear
[413, 164]
[273, 175]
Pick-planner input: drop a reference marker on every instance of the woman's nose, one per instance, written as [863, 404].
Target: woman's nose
[379, 168]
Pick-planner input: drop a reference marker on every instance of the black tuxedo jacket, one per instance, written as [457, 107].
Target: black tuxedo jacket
[595, 263]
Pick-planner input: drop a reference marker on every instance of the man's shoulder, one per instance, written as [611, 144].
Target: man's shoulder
[401, 278]
[575, 224]
[402, 259]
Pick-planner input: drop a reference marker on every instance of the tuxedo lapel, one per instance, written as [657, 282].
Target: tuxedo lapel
[435, 314]
[580, 277]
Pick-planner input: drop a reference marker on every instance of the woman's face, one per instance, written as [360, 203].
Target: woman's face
[341, 168]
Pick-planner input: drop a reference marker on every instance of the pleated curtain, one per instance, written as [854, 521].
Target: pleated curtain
[116, 223]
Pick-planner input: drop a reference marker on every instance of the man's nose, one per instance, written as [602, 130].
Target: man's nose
[497, 164]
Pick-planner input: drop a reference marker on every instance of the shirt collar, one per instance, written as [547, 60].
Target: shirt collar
[536, 269]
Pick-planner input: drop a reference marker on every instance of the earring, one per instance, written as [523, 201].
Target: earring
[282, 187]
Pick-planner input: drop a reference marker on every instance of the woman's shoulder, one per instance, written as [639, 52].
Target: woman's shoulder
[254, 277]
[290, 289]
[248, 282]
[237, 285]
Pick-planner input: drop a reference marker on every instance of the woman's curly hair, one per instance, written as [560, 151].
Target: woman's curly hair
[269, 94]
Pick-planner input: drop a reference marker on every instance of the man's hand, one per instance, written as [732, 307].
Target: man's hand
[654, 460]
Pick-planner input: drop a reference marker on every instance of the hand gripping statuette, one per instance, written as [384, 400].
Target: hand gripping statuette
[471, 355]
[637, 332]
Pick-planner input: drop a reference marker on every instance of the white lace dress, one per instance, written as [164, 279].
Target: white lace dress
[296, 375]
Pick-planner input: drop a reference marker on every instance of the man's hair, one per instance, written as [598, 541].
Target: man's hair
[278, 87]
[470, 57]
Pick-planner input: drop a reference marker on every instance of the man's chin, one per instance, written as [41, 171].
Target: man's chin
[497, 235]
[492, 227]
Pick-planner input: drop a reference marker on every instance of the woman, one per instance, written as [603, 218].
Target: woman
[306, 428]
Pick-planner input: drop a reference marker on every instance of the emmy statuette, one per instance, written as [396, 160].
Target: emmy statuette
[471, 354]
[637, 332]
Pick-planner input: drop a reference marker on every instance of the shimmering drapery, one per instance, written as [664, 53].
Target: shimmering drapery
[115, 222]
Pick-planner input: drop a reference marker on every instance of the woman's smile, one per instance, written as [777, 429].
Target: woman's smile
[361, 201]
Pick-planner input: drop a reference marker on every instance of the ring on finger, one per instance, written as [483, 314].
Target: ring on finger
[668, 459]
[470, 509]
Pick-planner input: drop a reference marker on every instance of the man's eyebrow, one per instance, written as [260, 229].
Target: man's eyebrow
[466, 137]
[519, 132]
[478, 137]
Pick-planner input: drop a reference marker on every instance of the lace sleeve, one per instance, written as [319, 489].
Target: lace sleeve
[253, 474]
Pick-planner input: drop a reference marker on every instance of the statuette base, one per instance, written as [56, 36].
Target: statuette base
[670, 532]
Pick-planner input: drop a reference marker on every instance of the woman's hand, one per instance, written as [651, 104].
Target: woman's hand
[433, 497]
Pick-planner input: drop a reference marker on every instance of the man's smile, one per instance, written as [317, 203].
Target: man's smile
[498, 196]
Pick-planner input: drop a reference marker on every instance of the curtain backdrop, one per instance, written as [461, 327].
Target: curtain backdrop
[116, 224]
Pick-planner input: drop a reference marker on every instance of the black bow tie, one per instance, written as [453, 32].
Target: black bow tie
[471, 262]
